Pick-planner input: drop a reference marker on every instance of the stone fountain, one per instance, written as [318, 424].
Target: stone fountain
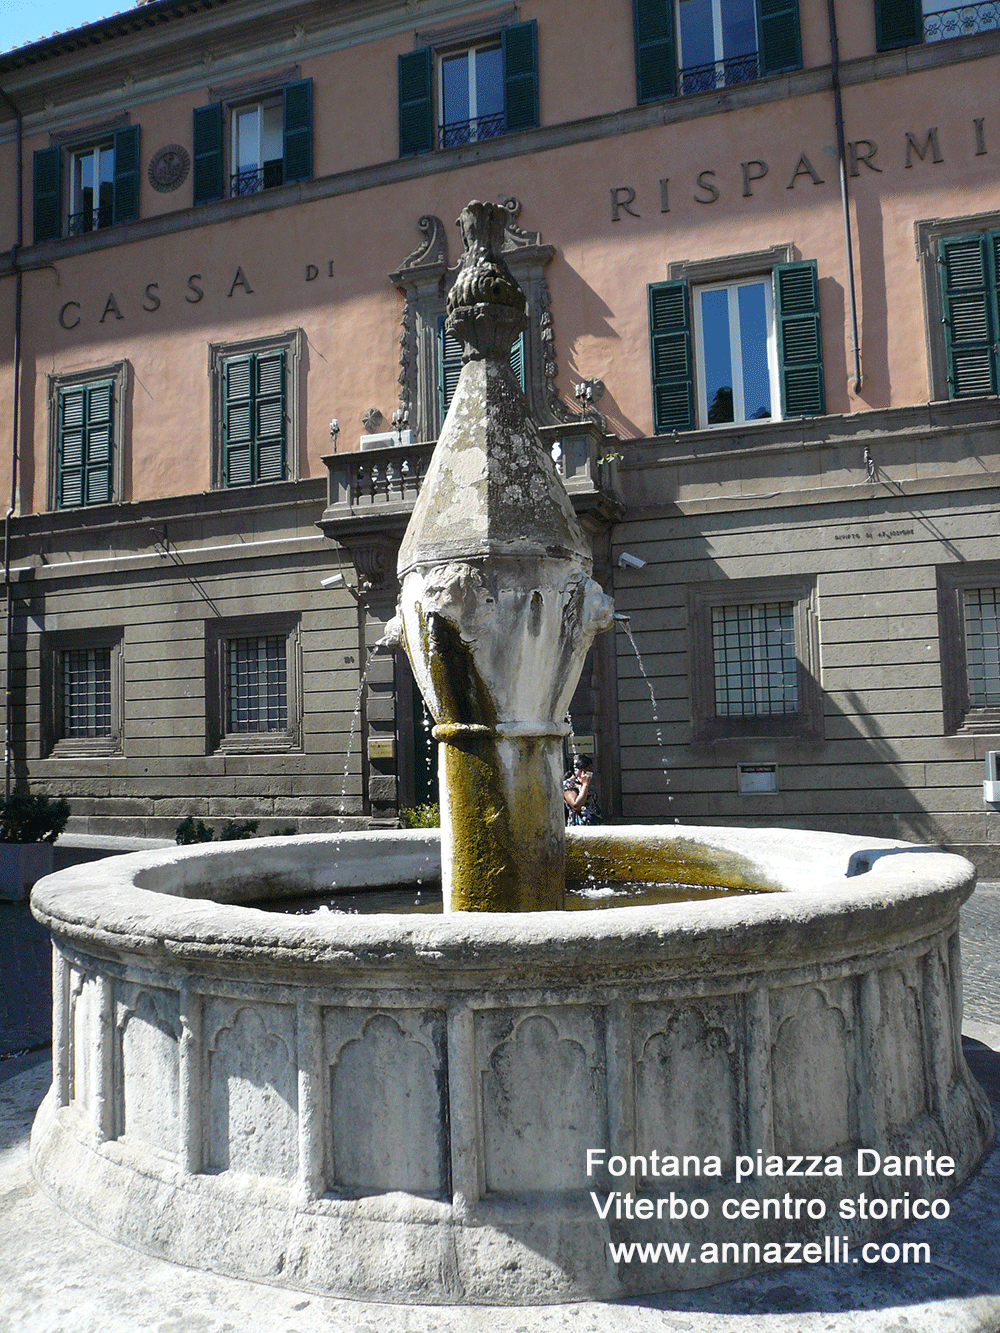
[466, 1108]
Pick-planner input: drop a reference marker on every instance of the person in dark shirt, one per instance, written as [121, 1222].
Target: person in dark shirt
[578, 793]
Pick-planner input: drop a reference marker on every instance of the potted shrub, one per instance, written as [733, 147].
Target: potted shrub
[29, 825]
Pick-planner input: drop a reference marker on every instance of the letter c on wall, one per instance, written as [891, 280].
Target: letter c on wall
[62, 315]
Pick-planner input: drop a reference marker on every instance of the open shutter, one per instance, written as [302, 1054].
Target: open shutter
[778, 35]
[800, 344]
[449, 366]
[655, 61]
[416, 103]
[517, 360]
[297, 128]
[238, 421]
[519, 44]
[898, 23]
[269, 416]
[126, 205]
[209, 182]
[968, 297]
[48, 194]
[670, 351]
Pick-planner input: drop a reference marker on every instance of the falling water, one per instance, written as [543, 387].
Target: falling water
[623, 621]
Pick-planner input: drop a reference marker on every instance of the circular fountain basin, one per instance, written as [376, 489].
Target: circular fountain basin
[404, 1108]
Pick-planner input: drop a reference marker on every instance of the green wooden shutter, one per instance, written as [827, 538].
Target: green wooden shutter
[519, 44]
[297, 128]
[800, 344]
[655, 61]
[670, 352]
[968, 266]
[209, 182]
[416, 102]
[254, 418]
[48, 194]
[84, 458]
[778, 35]
[517, 359]
[449, 366]
[126, 205]
[898, 23]
[269, 416]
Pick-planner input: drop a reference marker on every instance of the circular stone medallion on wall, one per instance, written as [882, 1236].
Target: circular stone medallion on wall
[168, 167]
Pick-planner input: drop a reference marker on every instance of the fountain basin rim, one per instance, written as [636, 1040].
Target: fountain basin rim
[135, 903]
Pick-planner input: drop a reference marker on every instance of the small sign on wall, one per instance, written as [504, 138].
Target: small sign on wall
[757, 779]
[381, 749]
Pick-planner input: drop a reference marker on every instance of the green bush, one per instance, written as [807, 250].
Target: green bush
[427, 815]
[27, 818]
[192, 830]
[235, 832]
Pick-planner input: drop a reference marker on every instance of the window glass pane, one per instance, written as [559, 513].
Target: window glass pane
[455, 87]
[248, 138]
[86, 692]
[256, 685]
[739, 27]
[697, 32]
[83, 182]
[489, 82]
[982, 645]
[273, 145]
[718, 361]
[756, 672]
[752, 304]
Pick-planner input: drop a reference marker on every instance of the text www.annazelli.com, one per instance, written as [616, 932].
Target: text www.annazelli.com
[830, 1250]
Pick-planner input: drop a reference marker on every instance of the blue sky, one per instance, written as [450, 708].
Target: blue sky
[27, 20]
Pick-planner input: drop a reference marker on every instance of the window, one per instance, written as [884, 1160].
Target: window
[969, 614]
[255, 410]
[83, 682]
[454, 92]
[906, 22]
[103, 184]
[970, 270]
[691, 46]
[270, 141]
[748, 350]
[86, 420]
[450, 365]
[255, 665]
[754, 654]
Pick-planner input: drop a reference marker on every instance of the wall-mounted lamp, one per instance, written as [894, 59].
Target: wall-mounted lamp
[628, 561]
[334, 432]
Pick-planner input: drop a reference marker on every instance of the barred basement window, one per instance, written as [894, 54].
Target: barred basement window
[982, 646]
[754, 660]
[86, 692]
[256, 685]
[756, 672]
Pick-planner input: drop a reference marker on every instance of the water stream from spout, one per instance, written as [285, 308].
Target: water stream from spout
[623, 621]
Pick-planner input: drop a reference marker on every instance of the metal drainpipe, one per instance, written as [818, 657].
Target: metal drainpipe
[838, 108]
[15, 432]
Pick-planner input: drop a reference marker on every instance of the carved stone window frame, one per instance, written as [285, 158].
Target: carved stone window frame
[119, 372]
[425, 278]
[217, 634]
[960, 718]
[927, 234]
[55, 744]
[805, 725]
[291, 341]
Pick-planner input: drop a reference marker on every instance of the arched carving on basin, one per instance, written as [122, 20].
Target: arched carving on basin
[618, 1025]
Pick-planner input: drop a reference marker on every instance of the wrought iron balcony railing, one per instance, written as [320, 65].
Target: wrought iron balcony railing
[962, 21]
[720, 73]
[89, 219]
[250, 180]
[459, 132]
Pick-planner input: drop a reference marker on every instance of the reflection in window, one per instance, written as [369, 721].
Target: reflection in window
[756, 671]
[982, 646]
[258, 148]
[737, 354]
[472, 95]
[718, 43]
[93, 189]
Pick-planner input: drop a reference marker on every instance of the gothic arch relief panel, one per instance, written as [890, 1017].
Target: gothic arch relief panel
[811, 1068]
[252, 1088]
[543, 1097]
[148, 1023]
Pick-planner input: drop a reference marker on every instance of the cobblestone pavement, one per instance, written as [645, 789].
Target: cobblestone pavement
[980, 934]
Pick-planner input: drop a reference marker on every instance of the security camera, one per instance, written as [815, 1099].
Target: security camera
[334, 581]
[627, 561]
